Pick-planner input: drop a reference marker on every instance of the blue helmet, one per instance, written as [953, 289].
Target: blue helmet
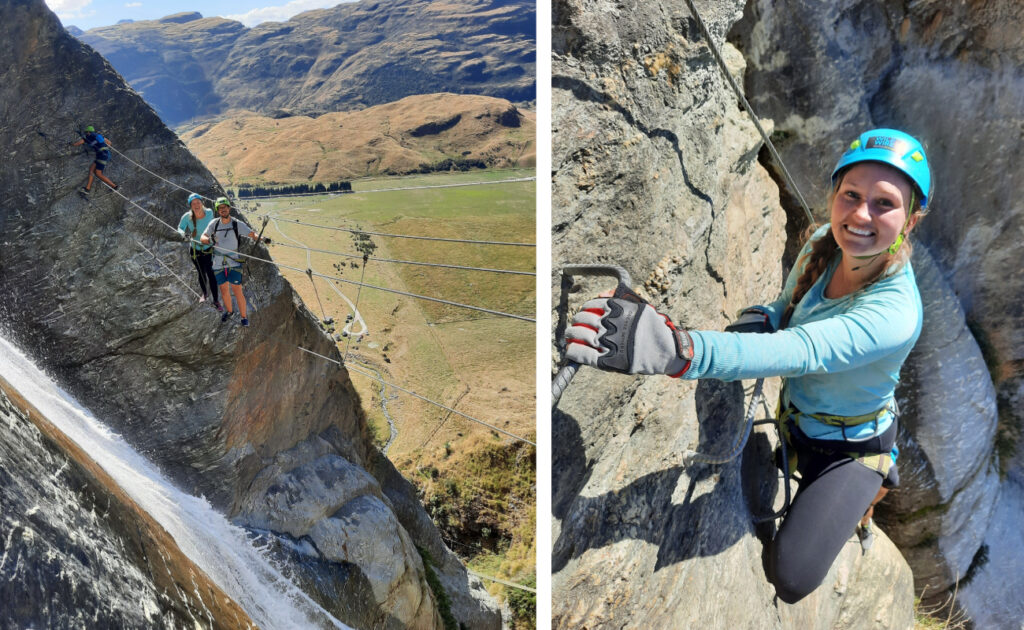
[895, 148]
[193, 197]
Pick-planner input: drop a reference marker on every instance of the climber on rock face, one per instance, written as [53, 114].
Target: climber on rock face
[223, 234]
[847, 318]
[101, 146]
[192, 224]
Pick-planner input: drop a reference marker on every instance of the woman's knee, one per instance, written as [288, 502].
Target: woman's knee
[791, 577]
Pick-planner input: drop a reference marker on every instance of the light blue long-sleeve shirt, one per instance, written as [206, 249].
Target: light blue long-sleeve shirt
[196, 228]
[841, 356]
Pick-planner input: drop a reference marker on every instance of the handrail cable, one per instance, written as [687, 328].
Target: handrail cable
[499, 581]
[169, 270]
[422, 238]
[154, 174]
[354, 366]
[750, 110]
[408, 262]
[314, 273]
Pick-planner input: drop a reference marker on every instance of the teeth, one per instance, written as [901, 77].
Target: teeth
[859, 232]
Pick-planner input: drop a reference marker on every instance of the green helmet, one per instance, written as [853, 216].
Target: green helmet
[90, 129]
[221, 201]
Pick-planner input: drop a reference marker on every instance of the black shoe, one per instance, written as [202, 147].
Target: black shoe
[866, 534]
[225, 316]
[85, 191]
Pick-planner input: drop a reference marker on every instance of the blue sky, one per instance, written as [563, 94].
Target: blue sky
[86, 14]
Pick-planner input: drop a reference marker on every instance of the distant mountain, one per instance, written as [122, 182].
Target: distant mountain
[417, 133]
[347, 57]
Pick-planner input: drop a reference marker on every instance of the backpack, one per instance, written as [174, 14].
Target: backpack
[238, 241]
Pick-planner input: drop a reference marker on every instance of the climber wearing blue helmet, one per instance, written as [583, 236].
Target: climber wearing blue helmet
[847, 318]
[191, 226]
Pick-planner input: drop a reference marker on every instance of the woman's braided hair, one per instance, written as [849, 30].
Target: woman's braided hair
[824, 249]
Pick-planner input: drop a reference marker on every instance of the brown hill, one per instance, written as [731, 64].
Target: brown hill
[414, 134]
[347, 57]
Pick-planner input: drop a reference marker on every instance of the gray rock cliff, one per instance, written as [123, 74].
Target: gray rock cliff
[239, 416]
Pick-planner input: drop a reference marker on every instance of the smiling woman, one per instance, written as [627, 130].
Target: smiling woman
[839, 333]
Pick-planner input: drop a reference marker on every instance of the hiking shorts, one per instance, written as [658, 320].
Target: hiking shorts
[101, 160]
[229, 274]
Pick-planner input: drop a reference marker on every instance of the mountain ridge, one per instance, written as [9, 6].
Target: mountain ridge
[415, 134]
[347, 57]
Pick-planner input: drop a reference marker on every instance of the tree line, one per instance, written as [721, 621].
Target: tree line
[249, 190]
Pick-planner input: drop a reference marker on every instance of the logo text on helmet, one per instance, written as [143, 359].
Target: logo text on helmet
[888, 143]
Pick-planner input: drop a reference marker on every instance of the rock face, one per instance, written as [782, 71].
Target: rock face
[75, 551]
[949, 73]
[228, 413]
[657, 169]
[347, 57]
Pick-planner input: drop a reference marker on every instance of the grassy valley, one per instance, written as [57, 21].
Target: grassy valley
[479, 485]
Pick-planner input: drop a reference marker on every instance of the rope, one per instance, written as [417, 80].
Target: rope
[422, 238]
[375, 190]
[494, 579]
[323, 313]
[757, 123]
[355, 308]
[154, 174]
[358, 370]
[397, 291]
[404, 262]
[187, 286]
[336, 279]
[352, 366]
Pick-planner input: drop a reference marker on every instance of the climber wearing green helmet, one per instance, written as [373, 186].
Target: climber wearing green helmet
[223, 234]
[847, 318]
[101, 146]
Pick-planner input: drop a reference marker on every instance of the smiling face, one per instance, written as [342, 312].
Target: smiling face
[224, 211]
[870, 209]
[197, 206]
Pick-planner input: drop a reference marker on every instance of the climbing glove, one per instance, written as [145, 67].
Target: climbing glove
[751, 320]
[624, 333]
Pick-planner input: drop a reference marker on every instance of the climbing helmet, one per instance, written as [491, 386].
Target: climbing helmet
[895, 148]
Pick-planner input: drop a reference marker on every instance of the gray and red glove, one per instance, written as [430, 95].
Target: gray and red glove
[625, 334]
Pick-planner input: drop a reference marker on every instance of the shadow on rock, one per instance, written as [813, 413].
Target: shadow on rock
[710, 515]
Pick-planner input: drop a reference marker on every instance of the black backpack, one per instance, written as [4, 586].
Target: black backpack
[238, 241]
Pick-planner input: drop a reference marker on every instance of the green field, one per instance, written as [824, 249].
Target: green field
[481, 364]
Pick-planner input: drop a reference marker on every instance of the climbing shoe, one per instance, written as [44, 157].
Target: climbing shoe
[202, 299]
[84, 190]
[245, 321]
[866, 535]
[216, 305]
[225, 316]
